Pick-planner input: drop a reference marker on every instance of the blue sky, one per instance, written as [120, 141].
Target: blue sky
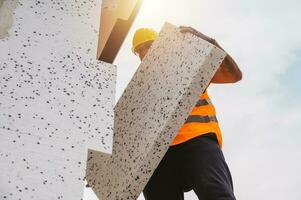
[292, 78]
[260, 116]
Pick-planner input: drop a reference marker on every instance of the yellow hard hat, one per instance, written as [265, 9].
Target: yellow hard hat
[143, 35]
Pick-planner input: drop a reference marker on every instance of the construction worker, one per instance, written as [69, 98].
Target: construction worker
[194, 160]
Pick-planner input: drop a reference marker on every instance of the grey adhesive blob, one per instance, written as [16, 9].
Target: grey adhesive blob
[56, 100]
[110, 4]
[153, 107]
[7, 8]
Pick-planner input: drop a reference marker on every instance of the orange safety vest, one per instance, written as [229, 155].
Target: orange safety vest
[201, 120]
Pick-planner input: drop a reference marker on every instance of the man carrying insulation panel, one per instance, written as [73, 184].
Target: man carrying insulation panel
[194, 160]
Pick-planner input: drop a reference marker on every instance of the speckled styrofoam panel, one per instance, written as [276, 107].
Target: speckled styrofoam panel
[153, 107]
[56, 100]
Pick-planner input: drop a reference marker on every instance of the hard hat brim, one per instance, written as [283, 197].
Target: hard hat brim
[134, 49]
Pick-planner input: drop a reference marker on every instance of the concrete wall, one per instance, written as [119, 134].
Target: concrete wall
[56, 100]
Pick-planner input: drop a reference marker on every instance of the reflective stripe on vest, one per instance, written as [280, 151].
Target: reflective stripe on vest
[201, 120]
[203, 102]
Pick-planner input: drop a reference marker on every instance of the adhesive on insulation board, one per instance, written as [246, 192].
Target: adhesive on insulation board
[7, 9]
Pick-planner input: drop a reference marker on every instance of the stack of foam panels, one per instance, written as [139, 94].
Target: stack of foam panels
[117, 17]
[153, 107]
[56, 99]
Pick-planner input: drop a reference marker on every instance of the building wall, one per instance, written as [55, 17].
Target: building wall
[56, 99]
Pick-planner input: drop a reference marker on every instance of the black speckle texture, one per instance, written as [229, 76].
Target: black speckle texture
[56, 99]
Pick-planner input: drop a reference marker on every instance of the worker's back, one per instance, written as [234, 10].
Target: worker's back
[201, 120]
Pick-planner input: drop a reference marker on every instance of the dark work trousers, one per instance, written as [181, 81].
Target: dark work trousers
[197, 164]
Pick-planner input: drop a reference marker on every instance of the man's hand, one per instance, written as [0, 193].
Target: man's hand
[188, 29]
[228, 72]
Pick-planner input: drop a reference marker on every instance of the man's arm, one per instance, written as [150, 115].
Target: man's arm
[229, 71]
